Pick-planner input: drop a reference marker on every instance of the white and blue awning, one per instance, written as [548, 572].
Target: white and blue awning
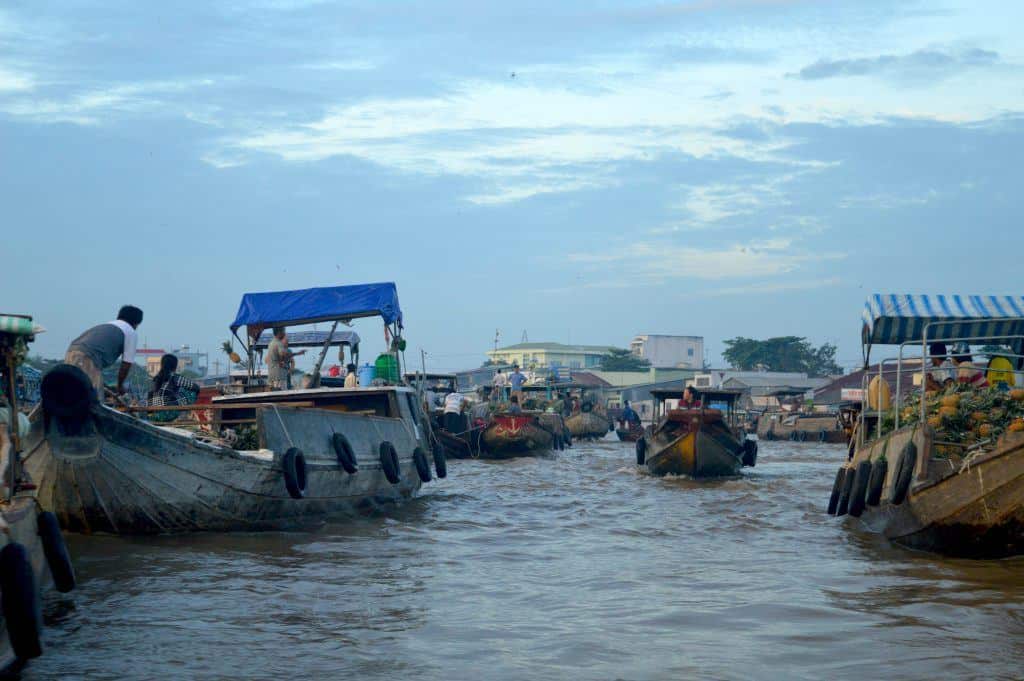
[897, 318]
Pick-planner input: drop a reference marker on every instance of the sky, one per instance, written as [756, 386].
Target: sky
[576, 172]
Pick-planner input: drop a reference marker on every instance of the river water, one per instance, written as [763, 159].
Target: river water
[570, 567]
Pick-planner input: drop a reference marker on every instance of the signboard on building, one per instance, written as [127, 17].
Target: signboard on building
[852, 394]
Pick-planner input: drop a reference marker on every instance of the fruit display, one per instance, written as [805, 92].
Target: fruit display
[965, 415]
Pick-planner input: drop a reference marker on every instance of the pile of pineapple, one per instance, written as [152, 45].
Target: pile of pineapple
[967, 415]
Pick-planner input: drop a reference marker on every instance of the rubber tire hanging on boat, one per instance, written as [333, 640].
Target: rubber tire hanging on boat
[903, 474]
[440, 461]
[844, 493]
[769, 435]
[293, 465]
[801, 436]
[860, 488]
[641, 451]
[822, 436]
[19, 600]
[422, 465]
[837, 489]
[67, 393]
[56, 551]
[346, 455]
[389, 462]
[876, 482]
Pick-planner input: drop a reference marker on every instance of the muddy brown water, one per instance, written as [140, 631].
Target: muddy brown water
[570, 567]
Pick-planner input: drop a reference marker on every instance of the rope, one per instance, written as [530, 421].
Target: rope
[283, 427]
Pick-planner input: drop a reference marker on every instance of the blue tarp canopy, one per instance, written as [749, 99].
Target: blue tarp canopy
[309, 339]
[896, 318]
[325, 304]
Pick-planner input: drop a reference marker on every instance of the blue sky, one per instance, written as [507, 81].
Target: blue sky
[583, 171]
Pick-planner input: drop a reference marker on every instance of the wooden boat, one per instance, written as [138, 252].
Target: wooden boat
[314, 452]
[778, 425]
[699, 443]
[33, 555]
[512, 435]
[907, 484]
[587, 425]
[630, 434]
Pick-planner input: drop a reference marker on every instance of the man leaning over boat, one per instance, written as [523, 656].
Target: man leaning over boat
[100, 346]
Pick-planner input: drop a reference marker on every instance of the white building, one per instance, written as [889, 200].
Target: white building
[669, 352]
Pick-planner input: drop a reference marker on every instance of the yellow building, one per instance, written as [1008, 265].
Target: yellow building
[545, 355]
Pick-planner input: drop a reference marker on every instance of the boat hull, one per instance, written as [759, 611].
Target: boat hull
[512, 436]
[804, 429]
[696, 455]
[629, 434]
[20, 517]
[968, 509]
[587, 425]
[127, 476]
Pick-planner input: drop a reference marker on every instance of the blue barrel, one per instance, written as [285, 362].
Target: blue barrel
[366, 374]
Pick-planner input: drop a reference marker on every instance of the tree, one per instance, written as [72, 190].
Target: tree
[619, 359]
[784, 353]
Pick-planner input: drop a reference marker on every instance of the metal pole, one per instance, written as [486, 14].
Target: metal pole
[12, 405]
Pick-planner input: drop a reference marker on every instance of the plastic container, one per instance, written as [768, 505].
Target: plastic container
[387, 368]
[366, 375]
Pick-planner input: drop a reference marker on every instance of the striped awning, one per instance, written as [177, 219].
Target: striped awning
[897, 318]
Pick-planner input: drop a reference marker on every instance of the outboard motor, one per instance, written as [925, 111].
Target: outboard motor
[67, 398]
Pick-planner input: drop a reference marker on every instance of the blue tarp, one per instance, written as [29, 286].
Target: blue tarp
[306, 306]
[896, 318]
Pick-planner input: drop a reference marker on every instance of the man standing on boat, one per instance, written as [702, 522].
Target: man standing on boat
[516, 379]
[280, 360]
[100, 346]
[454, 405]
[500, 382]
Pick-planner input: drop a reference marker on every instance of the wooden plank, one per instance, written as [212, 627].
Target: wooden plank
[221, 407]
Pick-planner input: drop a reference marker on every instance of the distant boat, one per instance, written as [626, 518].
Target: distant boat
[703, 442]
[512, 435]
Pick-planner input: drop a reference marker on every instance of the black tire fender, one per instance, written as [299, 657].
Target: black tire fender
[844, 492]
[769, 435]
[903, 474]
[19, 599]
[422, 465]
[56, 551]
[860, 488]
[749, 453]
[67, 393]
[837, 489]
[293, 465]
[801, 436]
[389, 462]
[441, 461]
[822, 436]
[346, 455]
[641, 451]
[879, 469]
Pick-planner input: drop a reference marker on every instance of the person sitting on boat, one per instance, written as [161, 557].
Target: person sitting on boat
[351, 378]
[943, 370]
[576, 406]
[629, 416]
[689, 400]
[513, 407]
[171, 390]
[481, 410]
[280, 360]
[500, 383]
[454, 406]
[968, 373]
[100, 346]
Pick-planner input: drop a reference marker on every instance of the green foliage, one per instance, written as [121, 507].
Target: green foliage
[784, 353]
[619, 359]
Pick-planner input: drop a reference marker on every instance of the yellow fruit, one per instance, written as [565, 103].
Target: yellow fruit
[979, 417]
[936, 422]
[1017, 426]
[1017, 394]
[985, 430]
[947, 412]
[879, 394]
[951, 401]
[234, 357]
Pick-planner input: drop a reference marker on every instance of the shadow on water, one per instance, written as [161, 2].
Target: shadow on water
[571, 566]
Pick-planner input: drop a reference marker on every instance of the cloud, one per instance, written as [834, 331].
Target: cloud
[763, 287]
[922, 63]
[14, 81]
[659, 261]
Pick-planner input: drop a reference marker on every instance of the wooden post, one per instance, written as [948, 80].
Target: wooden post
[11, 370]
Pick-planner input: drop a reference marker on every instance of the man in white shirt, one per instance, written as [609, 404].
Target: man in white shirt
[943, 370]
[100, 346]
[454, 404]
[500, 382]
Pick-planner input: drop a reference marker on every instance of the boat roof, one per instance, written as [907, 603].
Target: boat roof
[417, 375]
[892, 319]
[707, 394]
[281, 395]
[309, 339]
[323, 304]
[788, 392]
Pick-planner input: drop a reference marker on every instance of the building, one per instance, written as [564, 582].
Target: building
[550, 355]
[851, 386]
[665, 352]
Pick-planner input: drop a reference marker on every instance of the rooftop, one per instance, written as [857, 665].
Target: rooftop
[555, 347]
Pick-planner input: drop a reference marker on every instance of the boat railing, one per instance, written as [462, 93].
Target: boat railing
[921, 364]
